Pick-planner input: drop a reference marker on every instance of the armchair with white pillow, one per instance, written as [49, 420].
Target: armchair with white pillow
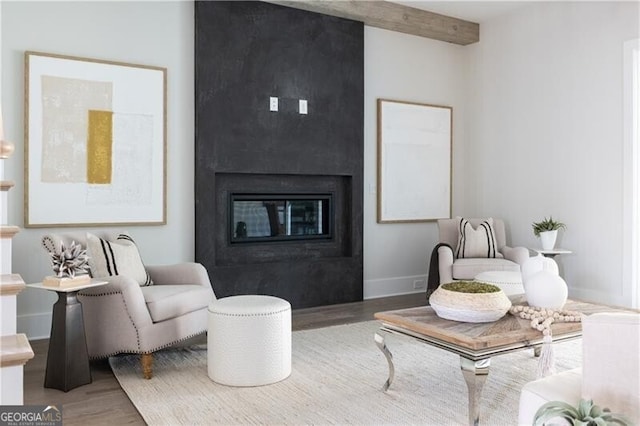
[468, 247]
[142, 308]
[610, 372]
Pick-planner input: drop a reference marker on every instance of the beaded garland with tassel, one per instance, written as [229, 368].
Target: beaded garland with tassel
[541, 320]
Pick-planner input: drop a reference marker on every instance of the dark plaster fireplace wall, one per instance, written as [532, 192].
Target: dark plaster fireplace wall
[246, 52]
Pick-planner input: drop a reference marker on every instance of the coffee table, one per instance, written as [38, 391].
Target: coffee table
[475, 343]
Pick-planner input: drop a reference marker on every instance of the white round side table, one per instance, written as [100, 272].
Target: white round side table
[551, 253]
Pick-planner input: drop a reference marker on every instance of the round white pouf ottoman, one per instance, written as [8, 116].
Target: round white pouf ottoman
[509, 281]
[249, 340]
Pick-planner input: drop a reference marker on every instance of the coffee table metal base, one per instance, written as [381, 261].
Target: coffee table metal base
[385, 350]
[475, 374]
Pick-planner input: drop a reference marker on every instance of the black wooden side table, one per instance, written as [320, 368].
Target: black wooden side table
[67, 359]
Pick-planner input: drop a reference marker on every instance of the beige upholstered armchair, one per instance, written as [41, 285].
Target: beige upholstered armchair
[449, 264]
[129, 314]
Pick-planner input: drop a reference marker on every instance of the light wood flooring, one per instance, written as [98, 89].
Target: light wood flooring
[104, 402]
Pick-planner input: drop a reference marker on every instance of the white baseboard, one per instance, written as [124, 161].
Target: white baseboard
[395, 286]
[35, 326]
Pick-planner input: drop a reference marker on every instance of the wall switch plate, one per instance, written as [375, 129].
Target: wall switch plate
[419, 284]
[273, 103]
[302, 106]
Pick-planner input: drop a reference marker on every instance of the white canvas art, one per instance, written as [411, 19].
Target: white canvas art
[414, 162]
[96, 142]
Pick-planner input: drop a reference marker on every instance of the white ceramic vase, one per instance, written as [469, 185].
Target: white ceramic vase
[548, 239]
[543, 286]
[546, 290]
[536, 264]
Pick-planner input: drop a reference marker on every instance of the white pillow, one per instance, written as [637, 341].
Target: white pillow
[479, 242]
[120, 257]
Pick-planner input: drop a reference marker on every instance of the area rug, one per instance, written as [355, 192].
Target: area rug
[337, 375]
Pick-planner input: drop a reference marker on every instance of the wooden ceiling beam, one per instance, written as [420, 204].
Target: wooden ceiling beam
[394, 17]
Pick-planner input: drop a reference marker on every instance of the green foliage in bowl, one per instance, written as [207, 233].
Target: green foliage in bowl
[547, 225]
[585, 414]
[470, 287]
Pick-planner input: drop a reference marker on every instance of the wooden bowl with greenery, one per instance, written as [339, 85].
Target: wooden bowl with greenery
[469, 301]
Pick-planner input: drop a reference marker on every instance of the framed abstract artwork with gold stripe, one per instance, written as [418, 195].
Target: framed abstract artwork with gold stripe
[95, 142]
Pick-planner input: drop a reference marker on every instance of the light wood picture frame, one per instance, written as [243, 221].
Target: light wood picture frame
[95, 142]
[414, 170]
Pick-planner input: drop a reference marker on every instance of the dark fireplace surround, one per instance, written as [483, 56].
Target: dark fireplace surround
[246, 52]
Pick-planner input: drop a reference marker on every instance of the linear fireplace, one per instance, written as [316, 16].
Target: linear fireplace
[300, 216]
[294, 236]
[280, 217]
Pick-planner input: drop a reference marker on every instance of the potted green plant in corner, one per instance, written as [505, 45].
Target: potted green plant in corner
[547, 230]
[585, 414]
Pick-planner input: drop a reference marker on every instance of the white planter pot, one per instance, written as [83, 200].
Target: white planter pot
[548, 239]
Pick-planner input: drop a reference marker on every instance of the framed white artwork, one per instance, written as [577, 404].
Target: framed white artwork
[414, 161]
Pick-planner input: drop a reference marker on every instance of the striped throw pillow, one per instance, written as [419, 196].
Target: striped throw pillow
[478, 242]
[119, 257]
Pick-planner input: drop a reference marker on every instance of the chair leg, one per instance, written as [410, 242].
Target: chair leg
[147, 365]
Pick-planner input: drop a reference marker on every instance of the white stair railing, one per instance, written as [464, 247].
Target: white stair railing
[15, 349]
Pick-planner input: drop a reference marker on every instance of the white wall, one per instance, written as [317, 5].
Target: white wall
[544, 79]
[159, 34]
[546, 133]
[398, 66]
[408, 68]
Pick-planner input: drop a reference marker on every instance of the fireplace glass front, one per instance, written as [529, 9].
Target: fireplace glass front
[280, 217]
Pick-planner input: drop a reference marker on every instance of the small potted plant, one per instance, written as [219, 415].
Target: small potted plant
[586, 414]
[547, 230]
